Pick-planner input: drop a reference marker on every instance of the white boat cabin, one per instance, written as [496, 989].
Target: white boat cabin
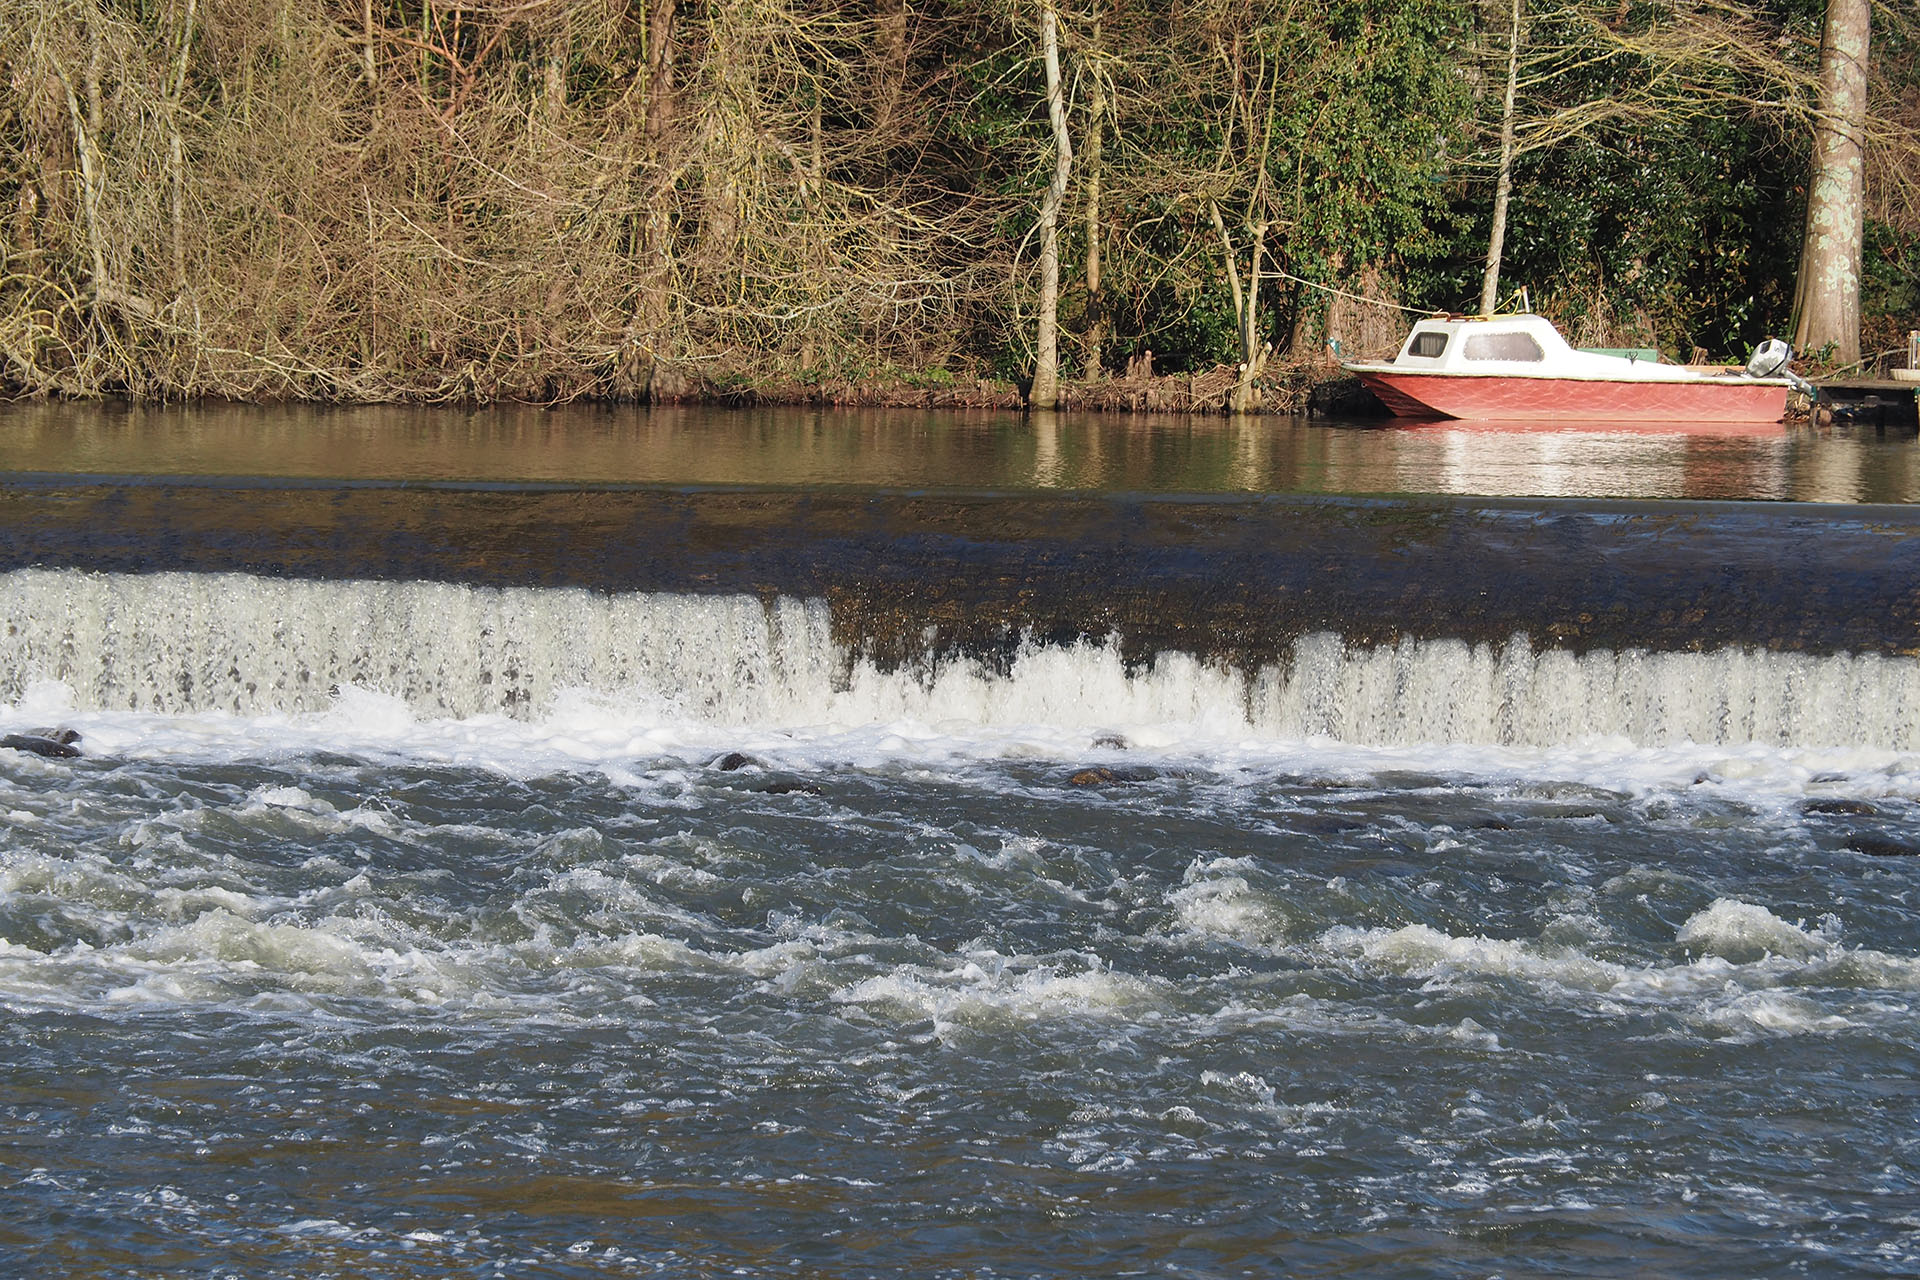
[1518, 346]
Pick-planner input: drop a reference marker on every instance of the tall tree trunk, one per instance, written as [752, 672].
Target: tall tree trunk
[96, 67]
[1503, 185]
[1096, 334]
[890, 69]
[1826, 303]
[660, 61]
[1045, 392]
[90, 199]
[646, 327]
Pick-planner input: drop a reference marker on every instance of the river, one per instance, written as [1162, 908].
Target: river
[601, 843]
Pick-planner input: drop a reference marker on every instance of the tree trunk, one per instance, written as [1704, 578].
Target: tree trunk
[1246, 312]
[1826, 303]
[725, 130]
[369, 66]
[553, 97]
[1045, 392]
[890, 69]
[176, 157]
[96, 67]
[1096, 333]
[90, 200]
[646, 327]
[1503, 185]
[660, 60]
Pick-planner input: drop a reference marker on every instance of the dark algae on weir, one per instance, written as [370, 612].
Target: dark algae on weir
[1235, 579]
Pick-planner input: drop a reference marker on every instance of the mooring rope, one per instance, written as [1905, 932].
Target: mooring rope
[1377, 302]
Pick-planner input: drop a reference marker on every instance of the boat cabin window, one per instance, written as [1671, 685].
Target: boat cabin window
[1429, 345]
[1503, 346]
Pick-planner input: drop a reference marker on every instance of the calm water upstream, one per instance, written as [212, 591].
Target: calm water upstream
[936, 450]
[603, 844]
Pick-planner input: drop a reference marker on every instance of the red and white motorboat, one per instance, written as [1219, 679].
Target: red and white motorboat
[1505, 368]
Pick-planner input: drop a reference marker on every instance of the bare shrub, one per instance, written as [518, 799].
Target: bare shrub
[495, 200]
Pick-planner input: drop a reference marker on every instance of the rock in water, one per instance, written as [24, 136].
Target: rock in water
[56, 744]
[1881, 847]
[1855, 808]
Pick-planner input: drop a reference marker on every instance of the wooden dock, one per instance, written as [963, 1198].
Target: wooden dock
[1881, 402]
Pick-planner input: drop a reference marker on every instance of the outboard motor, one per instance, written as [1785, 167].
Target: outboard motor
[1769, 360]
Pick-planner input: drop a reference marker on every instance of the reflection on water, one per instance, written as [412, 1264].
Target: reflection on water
[942, 449]
[1638, 460]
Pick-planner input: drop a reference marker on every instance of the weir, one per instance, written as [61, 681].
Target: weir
[1367, 620]
[173, 643]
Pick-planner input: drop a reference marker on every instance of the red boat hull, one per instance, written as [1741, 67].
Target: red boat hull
[1496, 398]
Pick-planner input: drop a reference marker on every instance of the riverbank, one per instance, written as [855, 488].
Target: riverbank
[1290, 389]
[1297, 389]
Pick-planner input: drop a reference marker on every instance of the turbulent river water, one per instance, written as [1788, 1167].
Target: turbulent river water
[706, 845]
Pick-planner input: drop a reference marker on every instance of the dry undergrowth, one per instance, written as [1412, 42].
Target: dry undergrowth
[214, 199]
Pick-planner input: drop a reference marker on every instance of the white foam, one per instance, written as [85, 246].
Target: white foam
[1743, 931]
[669, 757]
[1768, 1013]
[986, 989]
[1751, 974]
[333, 955]
[1424, 951]
[1215, 901]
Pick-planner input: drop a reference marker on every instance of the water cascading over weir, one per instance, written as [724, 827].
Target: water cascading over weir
[1366, 620]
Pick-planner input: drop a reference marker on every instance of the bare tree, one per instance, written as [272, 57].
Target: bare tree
[1247, 142]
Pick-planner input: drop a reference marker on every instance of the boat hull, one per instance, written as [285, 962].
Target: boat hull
[1498, 398]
